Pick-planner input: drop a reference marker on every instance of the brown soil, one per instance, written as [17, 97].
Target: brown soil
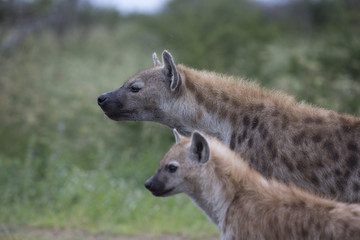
[6, 233]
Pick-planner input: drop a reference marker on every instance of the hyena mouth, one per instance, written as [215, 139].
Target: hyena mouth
[161, 193]
[119, 115]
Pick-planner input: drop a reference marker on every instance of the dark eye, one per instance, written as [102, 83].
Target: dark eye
[172, 168]
[134, 89]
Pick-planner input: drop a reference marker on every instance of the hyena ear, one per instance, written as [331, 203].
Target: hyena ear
[177, 135]
[200, 148]
[170, 71]
[156, 60]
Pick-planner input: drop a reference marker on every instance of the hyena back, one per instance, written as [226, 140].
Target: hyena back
[241, 202]
[314, 148]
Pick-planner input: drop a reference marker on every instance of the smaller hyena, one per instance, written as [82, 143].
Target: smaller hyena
[241, 202]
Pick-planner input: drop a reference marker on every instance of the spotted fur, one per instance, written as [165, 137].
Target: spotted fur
[313, 148]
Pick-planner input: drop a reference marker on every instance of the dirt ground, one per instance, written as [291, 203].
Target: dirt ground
[62, 234]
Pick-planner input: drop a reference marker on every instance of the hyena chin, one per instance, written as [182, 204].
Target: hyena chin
[241, 202]
[313, 148]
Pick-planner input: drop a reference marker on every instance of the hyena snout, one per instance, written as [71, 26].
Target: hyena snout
[157, 187]
[103, 99]
[112, 104]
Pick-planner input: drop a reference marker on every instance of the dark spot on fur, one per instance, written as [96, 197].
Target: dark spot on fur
[244, 135]
[332, 191]
[212, 92]
[199, 97]
[352, 162]
[328, 145]
[337, 172]
[300, 166]
[329, 208]
[259, 107]
[239, 139]
[225, 97]
[304, 232]
[356, 187]
[190, 85]
[285, 121]
[297, 139]
[318, 226]
[275, 113]
[261, 128]
[319, 163]
[246, 121]
[352, 146]
[319, 120]
[341, 183]
[233, 119]
[223, 113]
[270, 145]
[253, 161]
[255, 123]
[331, 151]
[338, 135]
[314, 179]
[345, 227]
[286, 205]
[300, 204]
[235, 103]
[316, 138]
[264, 134]
[232, 141]
[211, 106]
[348, 127]
[276, 123]
[287, 163]
[308, 120]
[263, 131]
[250, 143]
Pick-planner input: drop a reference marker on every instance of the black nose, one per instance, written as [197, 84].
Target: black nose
[102, 99]
[148, 184]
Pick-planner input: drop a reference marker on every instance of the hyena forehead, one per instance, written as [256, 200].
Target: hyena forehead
[151, 74]
[177, 154]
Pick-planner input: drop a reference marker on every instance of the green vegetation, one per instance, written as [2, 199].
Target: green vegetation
[63, 164]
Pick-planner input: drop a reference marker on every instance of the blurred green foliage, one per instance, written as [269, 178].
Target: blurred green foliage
[64, 164]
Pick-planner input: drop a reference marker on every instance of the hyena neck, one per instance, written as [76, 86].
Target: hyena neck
[212, 103]
[216, 184]
[209, 196]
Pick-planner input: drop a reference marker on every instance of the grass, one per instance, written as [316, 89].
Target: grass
[63, 164]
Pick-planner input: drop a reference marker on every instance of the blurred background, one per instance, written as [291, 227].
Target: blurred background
[65, 167]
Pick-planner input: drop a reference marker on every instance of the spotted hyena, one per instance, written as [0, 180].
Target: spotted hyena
[314, 148]
[241, 202]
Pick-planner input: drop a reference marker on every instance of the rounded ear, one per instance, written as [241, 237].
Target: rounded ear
[200, 147]
[177, 135]
[170, 71]
[156, 60]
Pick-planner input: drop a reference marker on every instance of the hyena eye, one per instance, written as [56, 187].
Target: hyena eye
[134, 89]
[172, 168]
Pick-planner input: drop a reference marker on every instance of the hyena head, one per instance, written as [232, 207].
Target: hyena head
[180, 167]
[142, 98]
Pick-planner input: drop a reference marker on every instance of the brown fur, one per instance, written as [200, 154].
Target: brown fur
[245, 205]
[313, 148]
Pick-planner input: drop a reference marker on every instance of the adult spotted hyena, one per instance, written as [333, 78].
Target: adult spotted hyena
[241, 202]
[314, 148]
